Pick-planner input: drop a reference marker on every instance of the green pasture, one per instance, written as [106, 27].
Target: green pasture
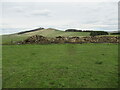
[60, 66]
[8, 39]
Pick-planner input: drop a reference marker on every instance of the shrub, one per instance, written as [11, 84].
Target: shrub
[115, 33]
[73, 30]
[30, 30]
[95, 33]
[87, 31]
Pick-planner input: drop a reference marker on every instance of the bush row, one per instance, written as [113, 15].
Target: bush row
[95, 33]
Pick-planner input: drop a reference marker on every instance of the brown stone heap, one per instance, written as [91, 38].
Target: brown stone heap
[37, 39]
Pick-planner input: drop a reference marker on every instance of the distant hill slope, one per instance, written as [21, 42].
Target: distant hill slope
[50, 32]
[30, 31]
[54, 33]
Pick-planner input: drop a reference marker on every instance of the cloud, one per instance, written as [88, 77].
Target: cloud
[17, 9]
[43, 12]
[97, 16]
[23, 10]
[60, 0]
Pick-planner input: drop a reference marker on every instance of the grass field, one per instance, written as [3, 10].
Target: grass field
[7, 39]
[60, 66]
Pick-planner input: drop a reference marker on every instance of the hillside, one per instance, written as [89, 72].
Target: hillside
[50, 32]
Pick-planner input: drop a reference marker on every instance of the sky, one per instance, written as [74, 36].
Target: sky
[22, 15]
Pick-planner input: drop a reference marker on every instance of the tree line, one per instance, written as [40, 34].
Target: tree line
[92, 33]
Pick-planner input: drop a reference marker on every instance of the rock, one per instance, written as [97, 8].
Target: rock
[44, 40]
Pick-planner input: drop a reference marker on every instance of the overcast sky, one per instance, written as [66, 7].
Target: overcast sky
[20, 16]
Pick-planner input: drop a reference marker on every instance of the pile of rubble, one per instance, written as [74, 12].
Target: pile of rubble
[34, 39]
[37, 39]
[101, 39]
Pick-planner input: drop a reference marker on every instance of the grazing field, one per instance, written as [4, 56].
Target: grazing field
[60, 66]
[8, 39]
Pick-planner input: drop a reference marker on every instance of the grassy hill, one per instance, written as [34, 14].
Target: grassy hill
[6, 39]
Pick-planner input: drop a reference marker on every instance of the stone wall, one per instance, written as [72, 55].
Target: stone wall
[45, 40]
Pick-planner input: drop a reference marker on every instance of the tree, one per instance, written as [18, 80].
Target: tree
[95, 33]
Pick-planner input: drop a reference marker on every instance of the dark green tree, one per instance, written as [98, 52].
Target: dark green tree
[95, 33]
